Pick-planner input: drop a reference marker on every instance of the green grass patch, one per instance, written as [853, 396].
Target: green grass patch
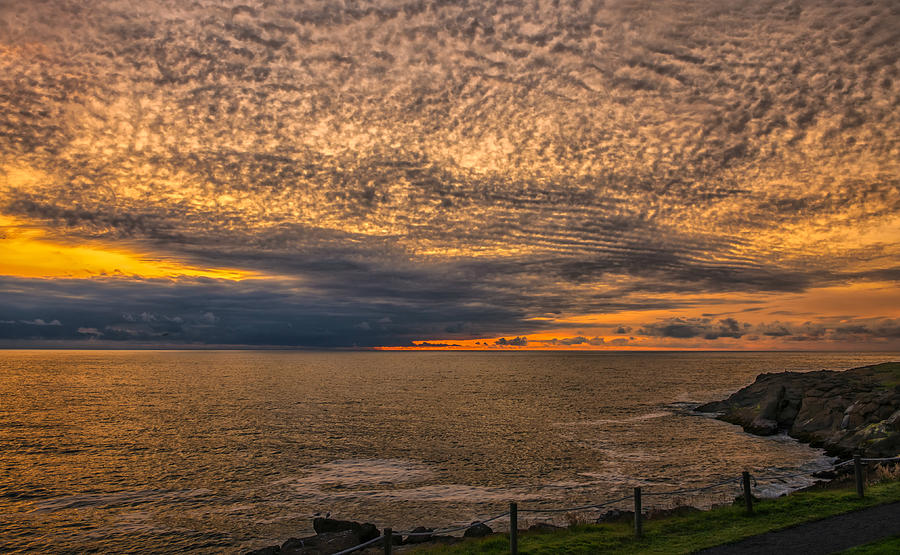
[888, 373]
[686, 533]
[889, 546]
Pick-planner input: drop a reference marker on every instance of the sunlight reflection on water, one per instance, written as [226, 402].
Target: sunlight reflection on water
[212, 451]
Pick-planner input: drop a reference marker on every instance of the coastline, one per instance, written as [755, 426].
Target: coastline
[711, 528]
[841, 412]
[856, 410]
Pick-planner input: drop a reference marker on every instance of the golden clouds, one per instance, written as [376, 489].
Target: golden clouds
[28, 251]
[467, 169]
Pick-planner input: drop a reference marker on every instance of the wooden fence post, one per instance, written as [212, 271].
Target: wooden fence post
[858, 470]
[388, 541]
[638, 525]
[513, 529]
[748, 495]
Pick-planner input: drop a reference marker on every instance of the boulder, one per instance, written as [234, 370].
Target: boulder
[270, 550]
[334, 542]
[365, 532]
[368, 532]
[478, 530]
[426, 537]
[762, 426]
[297, 543]
[396, 539]
[321, 544]
[893, 421]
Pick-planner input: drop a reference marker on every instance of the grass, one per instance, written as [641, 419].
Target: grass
[889, 546]
[887, 373]
[690, 532]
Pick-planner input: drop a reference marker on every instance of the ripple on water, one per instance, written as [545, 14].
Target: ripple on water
[116, 499]
[353, 473]
[395, 479]
[204, 451]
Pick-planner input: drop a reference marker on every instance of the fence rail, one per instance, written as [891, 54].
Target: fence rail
[747, 482]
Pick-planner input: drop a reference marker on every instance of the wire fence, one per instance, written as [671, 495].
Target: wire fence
[744, 482]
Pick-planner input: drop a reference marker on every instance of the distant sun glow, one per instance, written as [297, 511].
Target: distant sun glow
[26, 251]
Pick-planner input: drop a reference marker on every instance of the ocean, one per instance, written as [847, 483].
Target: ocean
[225, 451]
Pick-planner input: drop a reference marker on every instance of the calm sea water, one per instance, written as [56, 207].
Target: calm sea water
[230, 450]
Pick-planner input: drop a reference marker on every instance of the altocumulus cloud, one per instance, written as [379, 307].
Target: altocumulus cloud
[449, 170]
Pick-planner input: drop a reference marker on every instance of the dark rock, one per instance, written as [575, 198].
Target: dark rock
[336, 541]
[365, 532]
[839, 411]
[324, 525]
[768, 407]
[478, 530]
[762, 427]
[893, 422]
[322, 544]
[396, 539]
[270, 550]
[825, 475]
[869, 408]
[297, 543]
[885, 411]
[368, 532]
[420, 539]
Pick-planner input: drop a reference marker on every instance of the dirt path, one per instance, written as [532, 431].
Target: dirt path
[824, 536]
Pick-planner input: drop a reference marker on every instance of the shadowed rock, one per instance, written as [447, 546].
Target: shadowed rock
[365, 532]
[320, 544]
[840, 411]
[270, 550]
[478, 530]
[426, 537]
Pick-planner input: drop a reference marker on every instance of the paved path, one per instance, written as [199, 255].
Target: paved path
[828, 535]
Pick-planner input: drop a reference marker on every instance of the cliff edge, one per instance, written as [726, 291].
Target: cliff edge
[839, 411]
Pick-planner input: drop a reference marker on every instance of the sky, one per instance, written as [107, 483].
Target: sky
[709, 174]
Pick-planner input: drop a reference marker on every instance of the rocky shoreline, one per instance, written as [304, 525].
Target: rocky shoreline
[842, 412]
[333, 536]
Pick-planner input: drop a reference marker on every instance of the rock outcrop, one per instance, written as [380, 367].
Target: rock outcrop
[364, 532]
[422, 535]
[478, 530]
[333, 536]
[320, 544]
[858, 409]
